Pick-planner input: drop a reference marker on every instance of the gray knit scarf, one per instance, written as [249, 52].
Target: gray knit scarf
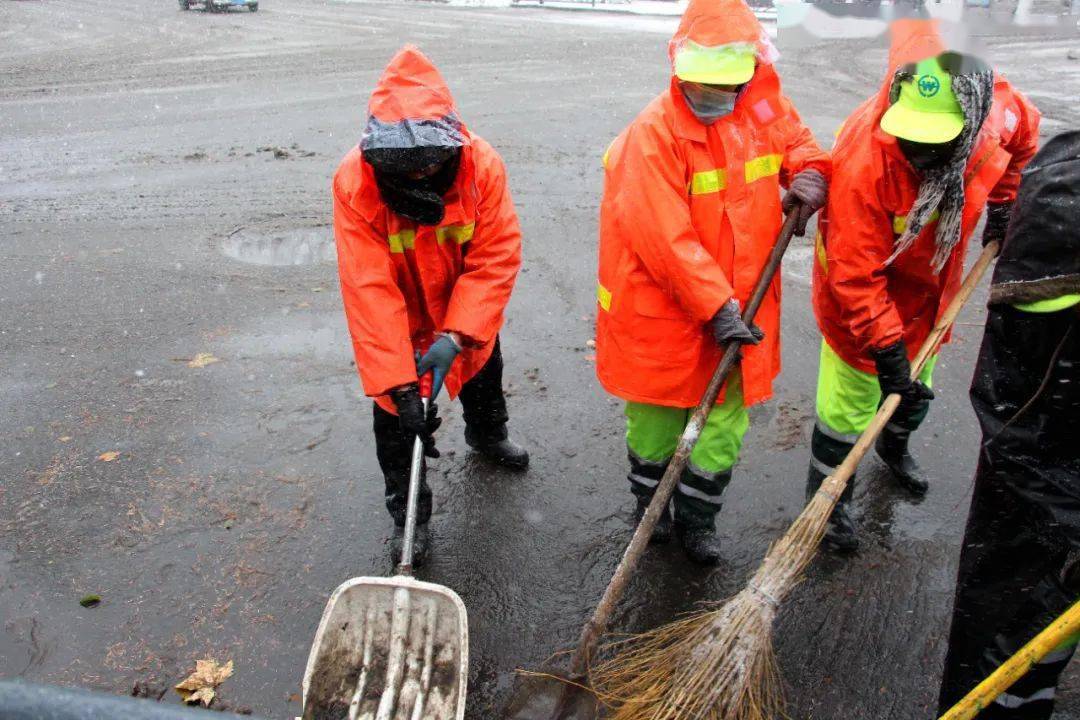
[942, 188]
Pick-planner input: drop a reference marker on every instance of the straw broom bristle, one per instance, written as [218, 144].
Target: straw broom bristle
[716, 664]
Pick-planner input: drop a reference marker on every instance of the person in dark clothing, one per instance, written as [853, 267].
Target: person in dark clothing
[1020, 562]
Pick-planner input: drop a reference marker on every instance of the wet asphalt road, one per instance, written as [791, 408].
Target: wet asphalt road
[143, 149]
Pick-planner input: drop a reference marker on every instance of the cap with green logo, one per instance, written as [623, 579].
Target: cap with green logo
[927, 110]
[722, 65]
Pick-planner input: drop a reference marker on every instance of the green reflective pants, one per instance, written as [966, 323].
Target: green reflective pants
[652, 434]
[847, 399]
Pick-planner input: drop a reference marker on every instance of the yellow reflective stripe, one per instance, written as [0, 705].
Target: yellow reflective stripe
[460, 234]
[899, 222]
[763, 166]
[708, 181]
[603, 296]
[822, 256]
[399, 241]
[1052, 305]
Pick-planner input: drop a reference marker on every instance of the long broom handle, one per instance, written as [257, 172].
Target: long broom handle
[835, 484]
[597, 624]
[1054, 635]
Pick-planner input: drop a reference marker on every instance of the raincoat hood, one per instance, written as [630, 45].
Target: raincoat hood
[713, 23]
[1041, 257]
[411, 106]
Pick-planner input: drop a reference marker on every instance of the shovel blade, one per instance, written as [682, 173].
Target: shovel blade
[552, 696]
[389, 649]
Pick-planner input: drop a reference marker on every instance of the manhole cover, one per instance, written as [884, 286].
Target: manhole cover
[300, 246]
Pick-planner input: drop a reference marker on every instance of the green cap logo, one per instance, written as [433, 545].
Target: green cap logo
[929, 86]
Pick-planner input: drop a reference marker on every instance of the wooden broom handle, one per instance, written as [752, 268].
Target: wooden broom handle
[834, 485]
[597, 624]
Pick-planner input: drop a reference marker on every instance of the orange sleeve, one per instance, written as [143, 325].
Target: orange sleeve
[860, 240]
[1023, 145]
[651, 209]
[374, 306]
[492, 258]
[801, 151]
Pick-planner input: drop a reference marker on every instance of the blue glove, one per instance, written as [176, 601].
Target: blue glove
[438, 359]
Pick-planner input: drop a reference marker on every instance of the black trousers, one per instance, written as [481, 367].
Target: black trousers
[1019, 560]
[484, 407]
[1009, 588]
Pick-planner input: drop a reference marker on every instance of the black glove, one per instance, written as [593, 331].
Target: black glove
[894, 374]
[997, 222]
[411, 417]
[728, 326]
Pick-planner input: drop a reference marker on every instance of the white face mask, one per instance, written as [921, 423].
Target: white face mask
[709, 104]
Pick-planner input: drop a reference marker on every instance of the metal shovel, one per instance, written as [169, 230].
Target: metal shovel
[391, 648]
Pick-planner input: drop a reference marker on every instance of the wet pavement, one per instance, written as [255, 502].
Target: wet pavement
[164, 192]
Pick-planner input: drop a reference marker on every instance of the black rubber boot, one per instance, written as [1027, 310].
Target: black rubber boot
[662, 532]
[421, 546]
[700, 544]
[697, 502]
[892, 448]
[504, 451]
[842, 533]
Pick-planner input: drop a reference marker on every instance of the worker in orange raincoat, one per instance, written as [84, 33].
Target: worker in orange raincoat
[428, 250]
[690, 212]
[915, 165]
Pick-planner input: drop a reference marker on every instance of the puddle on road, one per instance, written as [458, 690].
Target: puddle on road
[297, 246]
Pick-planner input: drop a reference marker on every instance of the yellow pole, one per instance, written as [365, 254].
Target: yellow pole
[1059, 631]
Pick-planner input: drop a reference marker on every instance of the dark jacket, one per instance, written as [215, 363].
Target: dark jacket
[1026, 389]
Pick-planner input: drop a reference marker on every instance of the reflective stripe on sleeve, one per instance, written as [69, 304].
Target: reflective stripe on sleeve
[899, 222]
[763, 166]
[460, 234]
[708, 181]
[603, 296]
[400, 241]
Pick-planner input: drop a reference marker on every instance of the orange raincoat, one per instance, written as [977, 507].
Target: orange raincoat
[688, 218]
[402, 282]
[861, 304]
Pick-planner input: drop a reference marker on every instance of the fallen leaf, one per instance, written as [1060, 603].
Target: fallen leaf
[202, 360]
[108, 456]
[198, 687]
[89, 601]
[204, 695]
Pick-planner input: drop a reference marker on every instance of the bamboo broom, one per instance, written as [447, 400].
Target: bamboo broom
[531, 703]
[719, 664]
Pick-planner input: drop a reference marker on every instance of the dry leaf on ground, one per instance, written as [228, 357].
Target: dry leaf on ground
[202, 360]
[199, 686]
[108, 456]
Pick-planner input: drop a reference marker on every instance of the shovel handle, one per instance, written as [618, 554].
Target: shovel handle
[597, 624]
[405, 567]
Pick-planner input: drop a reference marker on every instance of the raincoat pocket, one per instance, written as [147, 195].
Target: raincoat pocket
[652, 302]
